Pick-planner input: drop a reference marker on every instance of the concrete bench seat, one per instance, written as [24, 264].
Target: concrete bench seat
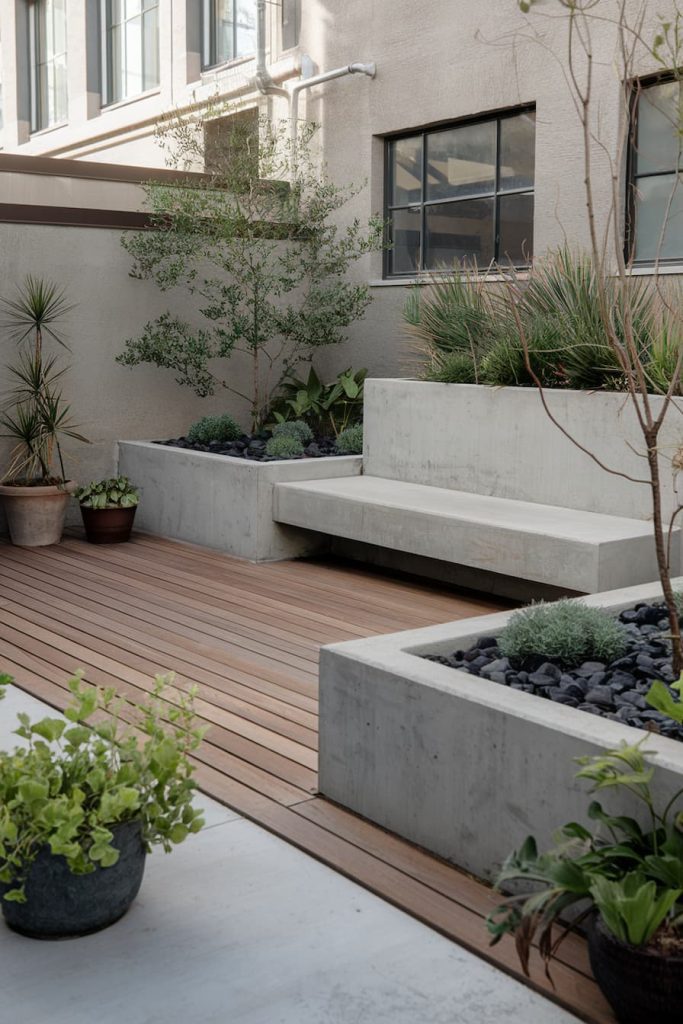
[569, 548]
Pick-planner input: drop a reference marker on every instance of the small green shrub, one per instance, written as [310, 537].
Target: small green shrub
[284, 447]
[118, 492]
[564, 630]
[451, 368]
[350, 441]
[214, 428]
[294, 428]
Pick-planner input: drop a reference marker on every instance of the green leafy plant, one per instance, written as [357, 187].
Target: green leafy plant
[214, 428]
[350, 441]
[258, 244]
[294, 428]
[630, 874]
[567, 631]
[660, 698]
[117, 492]
[76, 777]
[36, 418]
[328, 408]
[284, 447]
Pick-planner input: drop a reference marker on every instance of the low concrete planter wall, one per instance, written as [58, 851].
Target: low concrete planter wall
[460, 765]
[222, 502]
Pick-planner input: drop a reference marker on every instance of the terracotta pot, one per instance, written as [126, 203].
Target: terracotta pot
[35, 515]
[641, 985]
[108, 525]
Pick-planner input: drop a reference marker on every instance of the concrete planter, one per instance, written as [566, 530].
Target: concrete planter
[460, 765]
[222, 502]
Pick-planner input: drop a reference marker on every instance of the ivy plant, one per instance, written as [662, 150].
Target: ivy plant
[107, 761]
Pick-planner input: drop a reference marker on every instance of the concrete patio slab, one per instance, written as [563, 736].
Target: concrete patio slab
[237, 926]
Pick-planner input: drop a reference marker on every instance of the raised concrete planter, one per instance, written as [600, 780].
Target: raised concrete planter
[222, 502]
[460, 765]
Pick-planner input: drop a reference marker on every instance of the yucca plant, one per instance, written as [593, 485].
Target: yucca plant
[36, 416]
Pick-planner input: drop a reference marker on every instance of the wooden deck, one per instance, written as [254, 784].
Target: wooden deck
[249, 636]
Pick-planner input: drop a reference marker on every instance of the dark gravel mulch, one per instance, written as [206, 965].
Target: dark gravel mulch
[614, 690]
[253, 447]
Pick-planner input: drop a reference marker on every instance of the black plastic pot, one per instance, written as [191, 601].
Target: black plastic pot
[108, 525]
[62, 905]
[641, 985]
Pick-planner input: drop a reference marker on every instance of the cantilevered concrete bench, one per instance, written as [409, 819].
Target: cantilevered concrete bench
[582, 551]
[477, 485]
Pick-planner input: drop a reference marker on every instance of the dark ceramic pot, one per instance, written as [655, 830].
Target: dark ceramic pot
[641, 986]
[62, 905]
[108, 525]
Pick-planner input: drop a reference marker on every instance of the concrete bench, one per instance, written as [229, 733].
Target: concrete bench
[476, 486]
[582, 551]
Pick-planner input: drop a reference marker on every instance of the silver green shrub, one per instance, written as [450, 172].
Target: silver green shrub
[294, 428]
[565, 631]
[350, 441]
[284, 447]
[214, 428]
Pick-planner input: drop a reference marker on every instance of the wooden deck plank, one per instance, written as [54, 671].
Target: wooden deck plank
[249, 635]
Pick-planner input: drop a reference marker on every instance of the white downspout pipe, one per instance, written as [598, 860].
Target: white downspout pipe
[327, 76]
[263, 78]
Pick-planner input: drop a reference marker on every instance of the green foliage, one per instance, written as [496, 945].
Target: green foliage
[118, 492]
[451, 368]
[284, 447]
[326, 407]
[350, 441]
[633, 876]
[660, 699]
[36, 417]
[294, 428]
[263, 258]
[554, 312]
[567, 631]
[214, 428]
[74, 779]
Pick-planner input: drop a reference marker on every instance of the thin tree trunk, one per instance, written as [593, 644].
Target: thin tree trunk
[661, 549]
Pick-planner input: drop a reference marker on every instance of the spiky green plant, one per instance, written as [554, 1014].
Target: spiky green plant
[36, 417]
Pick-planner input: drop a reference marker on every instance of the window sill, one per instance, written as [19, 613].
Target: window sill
[117, 104]
[405, 282]
[227, 65]
[649, 270]
[46, 131]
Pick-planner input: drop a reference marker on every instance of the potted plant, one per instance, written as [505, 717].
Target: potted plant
[35, 490]
[108, 509]
[625, 877]
[83, 800]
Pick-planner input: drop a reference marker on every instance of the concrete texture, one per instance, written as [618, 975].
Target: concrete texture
[222, 502]
[238, 926]
[460, 765]
[500, 441]
[581, 551]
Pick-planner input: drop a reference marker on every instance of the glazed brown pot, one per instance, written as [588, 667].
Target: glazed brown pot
[108, 525]
[35, 515]
[641, 985]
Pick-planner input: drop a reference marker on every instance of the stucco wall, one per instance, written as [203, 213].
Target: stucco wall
[108, 401]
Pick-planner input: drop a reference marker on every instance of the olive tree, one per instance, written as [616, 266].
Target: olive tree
[260, 243]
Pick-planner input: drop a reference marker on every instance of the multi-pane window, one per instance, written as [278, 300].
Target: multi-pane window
[463, 194]
[657, 164]
[229, 30]
[131, 40]
[47, 33]
[291, 23]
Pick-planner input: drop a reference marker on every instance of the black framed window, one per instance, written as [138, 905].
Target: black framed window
[656, 193]
[131, 47]
[291, 23]
[463, 193]
[47, 43]
[228, 30]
